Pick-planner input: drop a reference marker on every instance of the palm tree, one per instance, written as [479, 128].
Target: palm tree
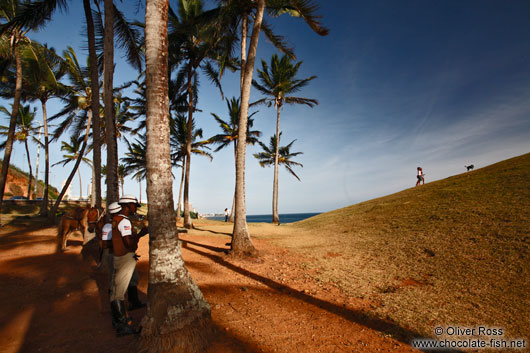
[121, 176]
[42, 70]
[96, 122]
[179, 142]
[178, 318]
[35, 14]
[275, 155]
[195, 39]
[235, 11]
[25, 129]
[12, 40]
[135, 161]
[78, 111]
[231, 133]
[278, 83]
[73, 150]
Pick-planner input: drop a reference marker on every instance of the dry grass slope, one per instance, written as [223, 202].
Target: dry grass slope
[451, 252]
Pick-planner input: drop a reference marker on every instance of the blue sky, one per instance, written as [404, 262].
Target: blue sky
[401, 84]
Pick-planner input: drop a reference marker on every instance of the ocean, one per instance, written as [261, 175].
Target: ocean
[267, 218]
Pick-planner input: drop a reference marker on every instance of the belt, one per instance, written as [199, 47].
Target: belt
[107, 244]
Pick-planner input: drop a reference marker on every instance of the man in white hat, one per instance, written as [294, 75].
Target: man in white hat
[107, 256]
[124, 244]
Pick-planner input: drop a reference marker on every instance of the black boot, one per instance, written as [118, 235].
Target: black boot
[115, 314]
[132, 297]
[119, 319]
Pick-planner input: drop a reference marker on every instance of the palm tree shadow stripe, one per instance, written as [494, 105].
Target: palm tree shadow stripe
[397, 332]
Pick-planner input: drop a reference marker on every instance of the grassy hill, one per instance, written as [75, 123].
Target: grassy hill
[451, 252]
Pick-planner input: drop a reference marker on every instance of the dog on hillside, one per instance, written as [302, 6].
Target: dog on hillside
[469, 167]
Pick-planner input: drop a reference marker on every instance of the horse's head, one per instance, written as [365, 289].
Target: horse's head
[93, 216]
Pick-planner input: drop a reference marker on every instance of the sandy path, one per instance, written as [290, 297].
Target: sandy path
[50, 301]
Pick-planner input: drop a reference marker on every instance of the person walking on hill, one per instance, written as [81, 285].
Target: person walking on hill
[421, 177]
[124, 244]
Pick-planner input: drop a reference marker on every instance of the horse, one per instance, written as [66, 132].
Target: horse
[80, 219]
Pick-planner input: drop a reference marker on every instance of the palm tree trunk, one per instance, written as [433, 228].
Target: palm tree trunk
[110, 126]
[244, 33]
[12, 124]
[37, 165]
[178, 317]
[180, 189]
[241, 243]
[140, 185]
[187, 218]
[29, 166]
[275, 216]
[233, 210]
[93, 201]
[44, 206]
[80, 184]
[72, 173]
[96, 124]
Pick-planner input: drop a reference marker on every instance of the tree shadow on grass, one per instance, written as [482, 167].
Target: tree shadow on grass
[397, 332]
[209, 247]
[211, 231]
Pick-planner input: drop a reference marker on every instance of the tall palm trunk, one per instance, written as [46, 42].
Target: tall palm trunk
[140, 185]
[241, 243]
[112, 148]
[93, 201]
[29, 166]
[12, 123]
[179, 203]
[44, 205]
[233, 210]
[244, 33]
[37, 165]
[187, 218]
[96, 122]
[80, 184]
[72, 173]
[178, 317]
[275, 216]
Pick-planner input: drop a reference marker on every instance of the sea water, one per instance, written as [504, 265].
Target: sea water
[267, 218]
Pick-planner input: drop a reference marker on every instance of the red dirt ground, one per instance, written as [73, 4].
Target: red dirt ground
[50, 301]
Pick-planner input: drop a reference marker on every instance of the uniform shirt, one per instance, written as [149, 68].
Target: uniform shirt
[106, 232]
[125, 226]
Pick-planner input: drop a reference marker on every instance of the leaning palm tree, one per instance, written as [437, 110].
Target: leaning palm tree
[25, 129]
[275, 155]
[279, 82]
[73, 150]
[230, 133]
[78, 110]
[178, 318]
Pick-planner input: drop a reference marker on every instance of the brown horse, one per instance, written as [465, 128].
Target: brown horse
[80, 219]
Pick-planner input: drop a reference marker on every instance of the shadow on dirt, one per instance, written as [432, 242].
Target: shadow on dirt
[58, 302]
[211, 231]
[397, 332]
